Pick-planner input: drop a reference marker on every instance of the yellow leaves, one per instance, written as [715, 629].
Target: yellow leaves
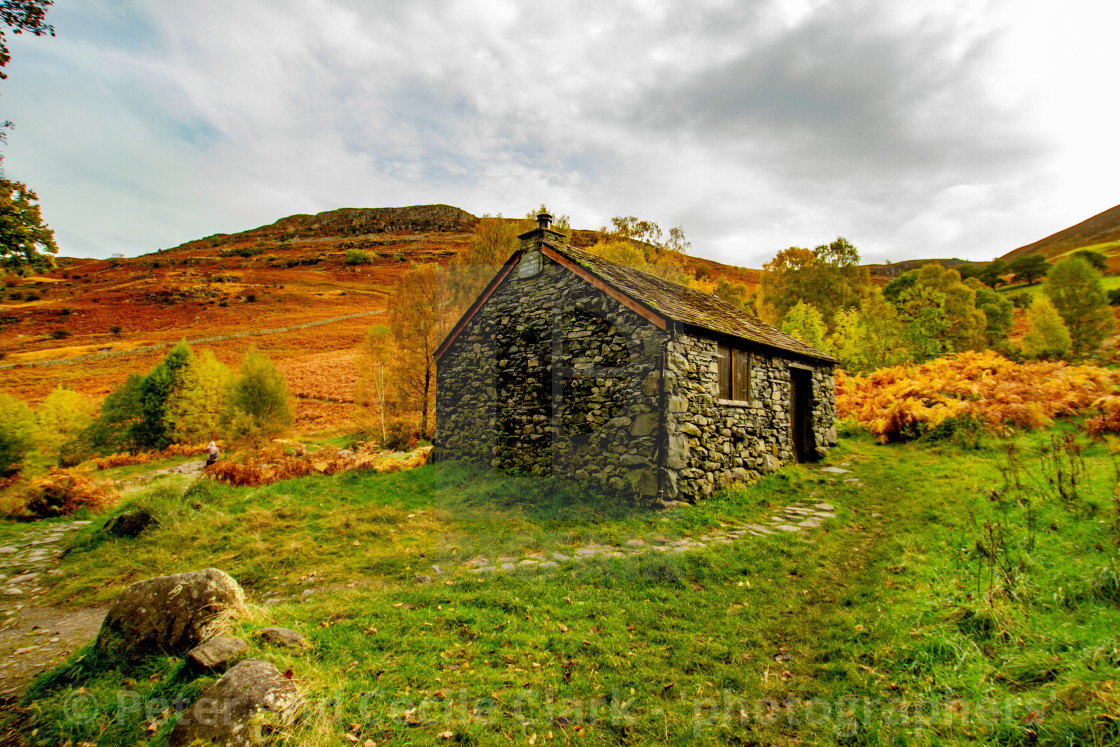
[904, 401]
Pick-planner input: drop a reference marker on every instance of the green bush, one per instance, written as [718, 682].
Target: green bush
[357, 257]
[1114, 297]
[17, 434]
[1021, 300]
[258, 399]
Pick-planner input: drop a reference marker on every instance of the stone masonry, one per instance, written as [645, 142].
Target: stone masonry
[552, 375]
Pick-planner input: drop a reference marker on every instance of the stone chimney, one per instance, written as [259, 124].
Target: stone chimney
[543, 232]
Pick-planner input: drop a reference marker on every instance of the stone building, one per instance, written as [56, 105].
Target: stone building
[573, 366]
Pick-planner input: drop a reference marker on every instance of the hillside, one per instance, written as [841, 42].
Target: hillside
[262, 284]
[1100, 233]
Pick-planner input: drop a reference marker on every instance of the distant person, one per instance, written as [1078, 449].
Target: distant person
[211, 454]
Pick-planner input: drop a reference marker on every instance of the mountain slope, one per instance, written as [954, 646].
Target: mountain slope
[1103, 228]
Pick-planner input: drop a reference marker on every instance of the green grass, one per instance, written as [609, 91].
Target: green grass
[895, 621]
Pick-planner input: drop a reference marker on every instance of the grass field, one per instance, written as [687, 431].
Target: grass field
[958, 598]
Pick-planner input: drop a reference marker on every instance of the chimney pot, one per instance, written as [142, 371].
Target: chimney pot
[544, 220]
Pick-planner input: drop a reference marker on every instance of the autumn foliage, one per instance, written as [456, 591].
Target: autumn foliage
[62, 492]
[906, 401]
[274, 465]
[125, 459]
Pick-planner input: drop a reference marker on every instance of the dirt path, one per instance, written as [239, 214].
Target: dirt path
[34, 638]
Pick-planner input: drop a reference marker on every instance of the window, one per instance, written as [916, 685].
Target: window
[734, 373]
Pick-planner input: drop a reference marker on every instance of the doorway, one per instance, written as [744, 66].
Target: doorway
[801, 414]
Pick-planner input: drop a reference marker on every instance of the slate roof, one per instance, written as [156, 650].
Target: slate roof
[685, 305]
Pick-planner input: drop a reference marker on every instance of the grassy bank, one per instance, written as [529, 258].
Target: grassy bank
[957, 597]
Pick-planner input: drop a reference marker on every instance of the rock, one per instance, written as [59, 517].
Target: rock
[131, 523]
[167, 615]
[284, 637]
[217, 653]
[835, 470]
[422, 579]
[237, 710]
[8, 550]
[345, 454]
[24, 578]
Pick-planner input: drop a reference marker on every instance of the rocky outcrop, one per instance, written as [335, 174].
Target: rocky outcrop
[167, 615]
[240, 708]
[358, 221]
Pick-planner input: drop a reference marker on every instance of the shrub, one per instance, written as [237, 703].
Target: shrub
[115, 329]
[31, 297]
[1021, 300]
[357, 257]
[250, 298]
[63, 492]
[66, 311]
[1114, 297]
[258, 399]
[60, 334]
[17, 434]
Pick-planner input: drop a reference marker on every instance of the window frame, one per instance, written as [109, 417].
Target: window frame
[733, 374]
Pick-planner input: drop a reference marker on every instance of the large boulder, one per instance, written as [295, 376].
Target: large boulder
[131, 523]
[168, 615]
[248, 699]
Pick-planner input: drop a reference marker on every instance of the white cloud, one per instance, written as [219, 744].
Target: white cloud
[913, 131]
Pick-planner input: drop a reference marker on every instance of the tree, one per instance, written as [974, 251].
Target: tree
[1029, 268]
[258, 399]
[63, 417]
[26, 243]
[1077, 292]
[828, 277]
[20, 16]
[417, 329]
[993, 272]
[998, 310]
[17, 434]
[372, 391]
[491, 244]
[1047, 335]
[964, 324]
[806, 324]
[870, 336]
[117, 427]
[197, 404]
[152, 431]
[1096, 259]
[638, 243]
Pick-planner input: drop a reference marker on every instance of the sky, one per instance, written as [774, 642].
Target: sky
[955, 128]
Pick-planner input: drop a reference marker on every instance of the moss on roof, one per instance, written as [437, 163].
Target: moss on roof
[686, 305]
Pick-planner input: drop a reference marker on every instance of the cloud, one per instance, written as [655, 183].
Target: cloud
[754, 125]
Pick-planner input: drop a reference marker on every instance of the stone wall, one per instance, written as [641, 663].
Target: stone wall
[553, 338]
[553, 376]
[712, 442]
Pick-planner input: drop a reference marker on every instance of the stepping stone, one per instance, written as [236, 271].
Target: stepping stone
[506, 559]
[8, 550]
[549, 564]
[479, 561]
[508, 566]
[636, 542]
[759, 534]
[560, 557]
[527, 562]
[615, 554]
[284, 637]
[24, 578]
[756, 529]
[484, 569]
[217, 653]
[788, 528]
[810, 523]
[585, 552]
[824, 507]
[798, 510]
[680, 543]
[835, 471]
[824, 514]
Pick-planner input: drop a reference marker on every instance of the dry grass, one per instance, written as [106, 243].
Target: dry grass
[272, 465]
